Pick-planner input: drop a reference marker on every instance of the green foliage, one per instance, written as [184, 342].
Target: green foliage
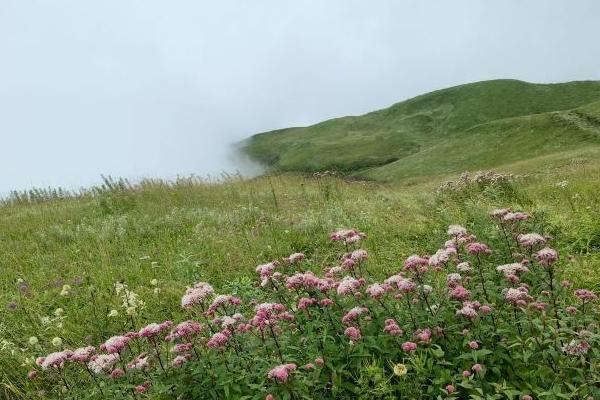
[505, 124]
[188, 231]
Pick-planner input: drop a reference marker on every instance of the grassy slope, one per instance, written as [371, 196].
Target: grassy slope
[433, 124]
[219, 233]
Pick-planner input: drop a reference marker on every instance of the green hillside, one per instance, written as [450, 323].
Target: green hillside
[475, 126]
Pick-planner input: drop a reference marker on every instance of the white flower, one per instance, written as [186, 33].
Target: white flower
[33, 341]
[66, 290]
[57, 342]
[59, 312]
[154, 282]
[113, 313]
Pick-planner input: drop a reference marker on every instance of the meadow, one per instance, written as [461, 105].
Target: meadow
[79, 269]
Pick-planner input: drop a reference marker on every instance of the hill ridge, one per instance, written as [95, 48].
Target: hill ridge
[358, 145]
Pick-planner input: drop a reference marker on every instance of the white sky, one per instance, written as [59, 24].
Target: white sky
[160, 88]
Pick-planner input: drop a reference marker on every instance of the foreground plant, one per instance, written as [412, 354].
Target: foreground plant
[469, 321]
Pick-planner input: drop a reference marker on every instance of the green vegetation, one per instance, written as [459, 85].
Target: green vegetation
[189, 231]
[484, 125]
[61, 254]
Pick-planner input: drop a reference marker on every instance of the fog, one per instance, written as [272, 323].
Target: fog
[159, 89]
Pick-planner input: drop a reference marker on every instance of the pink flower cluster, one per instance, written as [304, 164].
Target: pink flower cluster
[282, 372]
[219, 340]
[154, 329]
[353, 333]
[352, 315]
[585, 295]
[531, 239]
[115, 344]
[347, 236]
[392, 328]
[196, 295]
[294, 258]
[185, 329]
[221, 301]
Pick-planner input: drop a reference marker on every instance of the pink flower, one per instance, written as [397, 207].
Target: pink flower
[140, 362]
[530, 239]
[181, 348]
[453, 279]
[485, 310]
[294, 258]
[464, 266]
[359, 255]
[31, 375]
[219, 340]
[526, 397]
[515, 217]
[457, 230]
[270, 397]
[392, 328]
[309, 366]
[347, 285]
[499, 213]
[517, 296]
[269, 312]
[319, 361]
[82, 354]
[512, 269]
[353, 334]
[347, 264]
[585, 295]
[467, 311]
[441, 257]
[185, 329]
[348, 236]
[473, 345]
[466, 374]
[377, 290]
[477, 368]
[478, 248]
[424, 335]
[450, 389]
[416, 263]
[459, 293]
[571, 310]
[115, 344]
[196, 295]
[306, 302]
[140, 389]
[55, 360]
[546, 256]
[154, 329]
[117, 373]
[103, 362]
[266, 270]
[353, 314]
[179, 360]
[575, 347]
[282, 372]
[409, 346]
[221, 301]
[326, 302]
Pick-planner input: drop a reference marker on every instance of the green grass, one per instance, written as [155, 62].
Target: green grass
[483, 125]
[181, 233]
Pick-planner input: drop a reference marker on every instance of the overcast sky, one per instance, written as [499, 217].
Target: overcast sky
[160, 88]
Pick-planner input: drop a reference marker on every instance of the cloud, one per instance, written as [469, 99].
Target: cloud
[148, 88]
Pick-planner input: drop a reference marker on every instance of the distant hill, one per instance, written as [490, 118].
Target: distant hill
[483, 125]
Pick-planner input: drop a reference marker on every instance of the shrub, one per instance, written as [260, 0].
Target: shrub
[474, 320]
